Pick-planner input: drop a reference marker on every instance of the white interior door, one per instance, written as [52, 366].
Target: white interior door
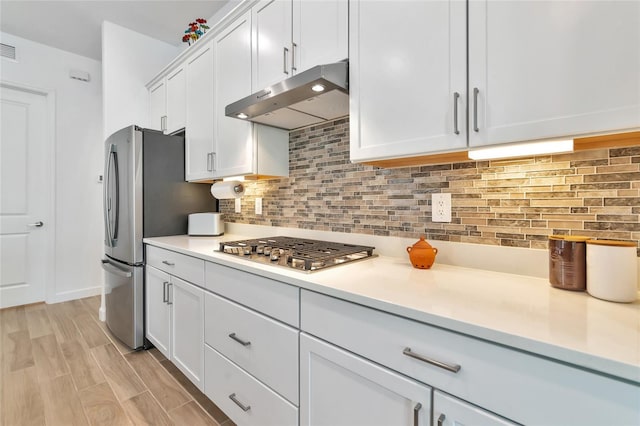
[24, 200]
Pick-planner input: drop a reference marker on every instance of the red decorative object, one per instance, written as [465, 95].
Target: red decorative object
[195, 31]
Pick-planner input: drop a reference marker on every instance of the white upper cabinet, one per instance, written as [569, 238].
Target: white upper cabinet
[272, 42]
[233, 153]
[199, 129]
[320, 33]
[158, 106]
[553, 68]
[176, 100]
[407, 73]
[291, 36]
[167, 102]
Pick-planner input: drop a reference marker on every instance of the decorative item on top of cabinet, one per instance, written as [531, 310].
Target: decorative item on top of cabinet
[291, 36]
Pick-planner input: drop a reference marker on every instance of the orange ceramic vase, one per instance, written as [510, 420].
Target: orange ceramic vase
[421, 254]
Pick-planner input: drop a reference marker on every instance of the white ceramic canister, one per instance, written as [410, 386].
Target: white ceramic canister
[612, 270]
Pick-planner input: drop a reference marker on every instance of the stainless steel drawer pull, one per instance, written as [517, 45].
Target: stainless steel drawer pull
[166, 262]
[416, 414]
[456, 96]
[239, 340]
[285, 53]
[441, 419]
[165, 292]
[475, 109]
[450, 367]
[169, 294]
[38, 224]
[238, 403]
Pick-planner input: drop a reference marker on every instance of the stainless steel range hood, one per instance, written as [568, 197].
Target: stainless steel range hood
[313, 96]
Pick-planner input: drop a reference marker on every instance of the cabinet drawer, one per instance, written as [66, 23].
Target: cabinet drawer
[186, 267]
[499, 379]
[265, 348]
[272, 298]
[260, 405]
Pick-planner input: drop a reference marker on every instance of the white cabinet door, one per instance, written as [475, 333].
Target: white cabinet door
[187, 346]
[339, 388]
[158, 106]
[271, 20]
[176, 100]
[158, 310]
[450, 411]
[320, 33]
[234, 143]
[545, 69]
[407, 78]
[199, 129]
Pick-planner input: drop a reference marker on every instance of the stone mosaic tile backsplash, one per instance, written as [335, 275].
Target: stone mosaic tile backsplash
[505, 202]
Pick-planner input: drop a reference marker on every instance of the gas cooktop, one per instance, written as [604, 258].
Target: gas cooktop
[297, 253]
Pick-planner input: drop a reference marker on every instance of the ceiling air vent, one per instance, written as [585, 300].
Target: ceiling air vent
[7, 51]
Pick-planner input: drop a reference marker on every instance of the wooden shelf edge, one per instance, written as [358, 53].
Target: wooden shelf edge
[618, 140]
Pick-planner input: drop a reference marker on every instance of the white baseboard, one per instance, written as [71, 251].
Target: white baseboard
[74, 294]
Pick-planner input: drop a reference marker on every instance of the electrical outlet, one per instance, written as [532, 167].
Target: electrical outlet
[441, 207]
[258, 205]
[238, 205]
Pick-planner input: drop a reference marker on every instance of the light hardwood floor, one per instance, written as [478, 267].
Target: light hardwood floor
[60, 365]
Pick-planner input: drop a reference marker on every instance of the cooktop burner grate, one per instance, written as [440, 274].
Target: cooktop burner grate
[298, 253]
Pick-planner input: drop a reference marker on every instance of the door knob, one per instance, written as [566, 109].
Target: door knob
[38, 224]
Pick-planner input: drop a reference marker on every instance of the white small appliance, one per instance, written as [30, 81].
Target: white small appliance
[206, 224]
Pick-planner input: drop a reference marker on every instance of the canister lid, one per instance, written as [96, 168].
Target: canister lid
[612, 243]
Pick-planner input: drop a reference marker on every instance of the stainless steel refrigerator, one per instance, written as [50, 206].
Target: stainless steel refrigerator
[145, 195]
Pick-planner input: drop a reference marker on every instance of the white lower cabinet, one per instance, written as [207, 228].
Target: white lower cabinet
[450, 411]
[157, 310]
[243, 398]
[187, 343]
[338, 388]
[174, 317]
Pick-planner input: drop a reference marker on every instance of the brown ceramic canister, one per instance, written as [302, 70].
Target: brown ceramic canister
[568, 262]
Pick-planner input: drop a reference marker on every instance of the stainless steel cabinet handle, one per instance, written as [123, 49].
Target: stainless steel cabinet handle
[209, 157]
[293, 57]
[38, 224]
[441, 419]
[238, 403]
[285, 53]
[456, 96]
[239, 340]
[166, 262]
[450, 367]
[165, 293]
[163, 123]
[416, 414]
[107, 266]
[475, 109]
[169, 294]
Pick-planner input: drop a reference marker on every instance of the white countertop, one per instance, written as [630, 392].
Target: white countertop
[518, 311]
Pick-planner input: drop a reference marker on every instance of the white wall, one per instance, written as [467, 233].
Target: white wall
[129, 61]
[78, 161]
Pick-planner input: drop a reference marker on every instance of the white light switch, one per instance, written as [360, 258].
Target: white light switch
[238, 205]
[441, 207]
[259, 205]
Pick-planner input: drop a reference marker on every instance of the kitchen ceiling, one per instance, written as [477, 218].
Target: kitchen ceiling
[75, 25]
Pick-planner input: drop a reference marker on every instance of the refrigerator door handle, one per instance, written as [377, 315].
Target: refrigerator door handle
[109, 267]
[117, 183]
[107, 200]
